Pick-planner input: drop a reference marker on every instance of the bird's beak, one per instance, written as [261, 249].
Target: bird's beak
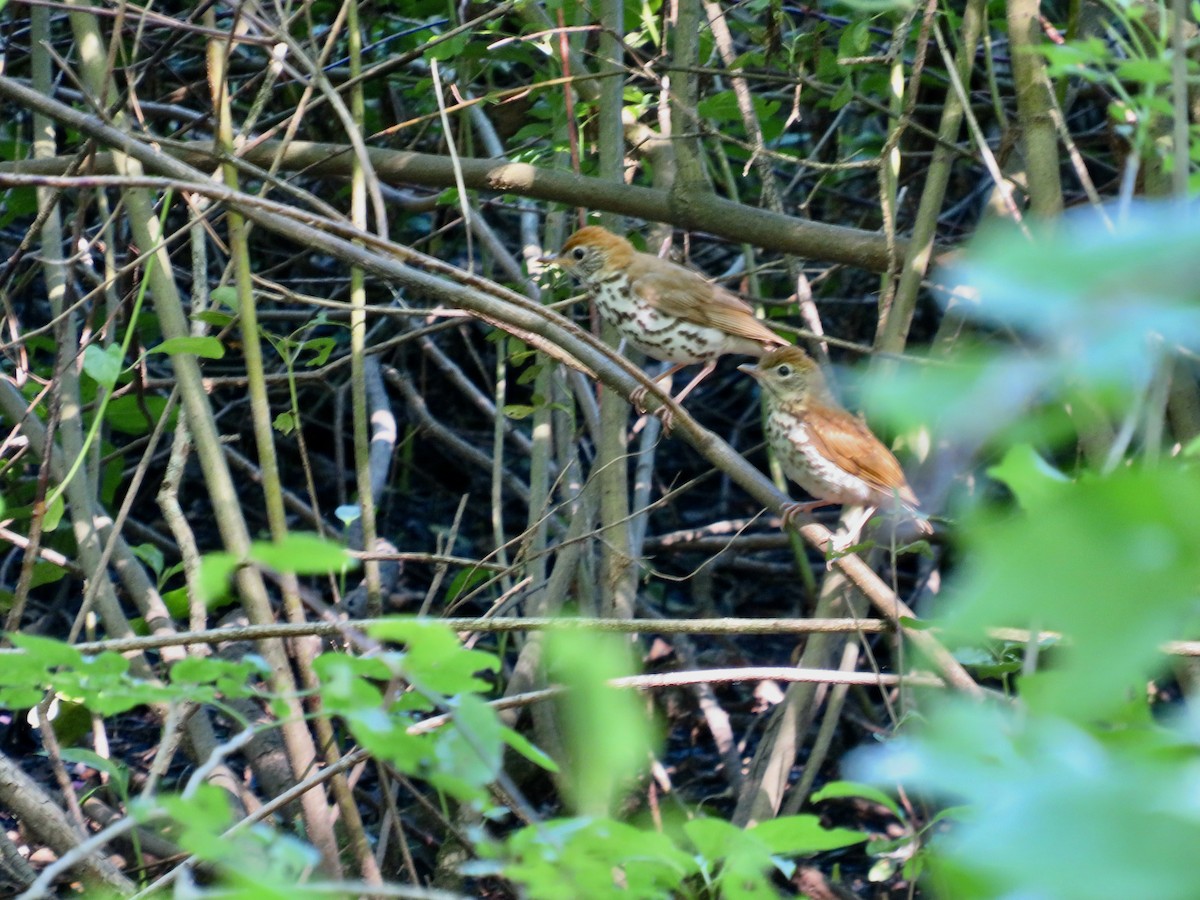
[548, 260]
[752, 371]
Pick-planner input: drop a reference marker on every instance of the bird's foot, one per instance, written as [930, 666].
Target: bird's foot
[637, 399]
[665, 416]
[789, 511]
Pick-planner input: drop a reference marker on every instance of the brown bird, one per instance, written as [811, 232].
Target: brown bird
[667, 311]
[823, 448]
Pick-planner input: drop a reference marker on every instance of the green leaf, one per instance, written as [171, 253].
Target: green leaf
[213, 579]
[518, 411]
[193, 670]
[721, 106]
[1033, 480]
[226, 296]
[45, 651]
[606, 729]
[69, 719]
[467, 755]
[151, 556]
[117, 773]
[201, 818]
[304, 554]
[998, 669]
[54, 513]
[24, 669]
[803, 836]
[284, 423]
[214, 318]
[745, 858]
[528, 376]
[836, 789]
[534, 754]
[449, 49]
[321, 348]
[386, 736]
[855, 39]
[464, 582]
[714, 839]
[18, 201]
[205, 347]
[268, 865]
[346, 682]
[20, 697]
[103, 364]
[46, 573]
[1145, 71]
[104, 685]
[177, 603]
[229, 678]
[434, 658]
[843, 95]
[600, 859]
[1075, 58]
[128, 412]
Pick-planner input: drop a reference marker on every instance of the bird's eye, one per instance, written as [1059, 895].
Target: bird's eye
[783, 370]
[578, 253]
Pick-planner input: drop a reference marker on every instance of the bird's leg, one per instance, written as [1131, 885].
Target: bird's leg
[789, 511]
[704, 373]
[854, 523]
[638, 396]
[665, 413]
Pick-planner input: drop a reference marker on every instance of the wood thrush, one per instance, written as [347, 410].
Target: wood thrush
[667, 311]
[820, 446]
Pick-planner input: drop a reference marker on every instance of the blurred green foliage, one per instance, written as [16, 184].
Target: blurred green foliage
[1071, 789]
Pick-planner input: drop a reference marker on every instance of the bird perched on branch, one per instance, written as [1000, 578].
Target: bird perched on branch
[822, 447]
[667, 311]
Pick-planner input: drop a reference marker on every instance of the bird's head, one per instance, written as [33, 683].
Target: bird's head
[591, 252]
[788, 374]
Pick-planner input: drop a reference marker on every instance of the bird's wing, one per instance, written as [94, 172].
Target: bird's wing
[846, 441]
[680, 292]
